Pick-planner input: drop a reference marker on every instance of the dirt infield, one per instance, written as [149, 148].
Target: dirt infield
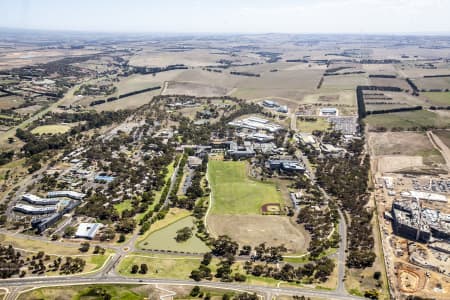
[253, 230]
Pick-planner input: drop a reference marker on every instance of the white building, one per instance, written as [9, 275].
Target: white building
[88, 230]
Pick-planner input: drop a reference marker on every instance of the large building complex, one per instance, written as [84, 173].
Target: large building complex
[412, 221]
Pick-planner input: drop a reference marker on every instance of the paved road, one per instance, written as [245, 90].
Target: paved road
[26, 283]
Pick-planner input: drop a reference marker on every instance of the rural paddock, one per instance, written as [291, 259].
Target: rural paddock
[254, 230]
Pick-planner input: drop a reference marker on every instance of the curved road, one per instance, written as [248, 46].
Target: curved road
[15, 285]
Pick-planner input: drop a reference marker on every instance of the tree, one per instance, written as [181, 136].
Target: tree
[144, 269]
[121, 238]
[84, 247]
[371, 294]
[134, 269]
[195, 291]
[223, 245]
[377, 275]
[183, 234]
[69, 231]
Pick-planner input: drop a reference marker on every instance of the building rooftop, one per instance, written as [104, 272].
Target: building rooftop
[88, 230]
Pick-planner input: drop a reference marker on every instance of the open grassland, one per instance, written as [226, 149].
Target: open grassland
[438, 98]
[37, 245]
[131, 102]
[344, 82]
[9, 102]
[194, 89]
[235, 193]
[162, 266]
[124, 205]
[172, 216]
[444, 135]
[433, 82]
[310, 126]
[117, 292]
[164, 239]
[331, 98]
[394, 82]
[405, 144]
[254, 230]
[51, 129]
[407, 120]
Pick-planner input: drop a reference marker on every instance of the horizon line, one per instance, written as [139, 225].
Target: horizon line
[112, 32]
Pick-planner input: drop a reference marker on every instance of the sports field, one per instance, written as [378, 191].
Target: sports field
[235, 193]
[51, 129]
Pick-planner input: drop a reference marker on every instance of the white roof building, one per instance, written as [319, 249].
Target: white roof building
[88, 230]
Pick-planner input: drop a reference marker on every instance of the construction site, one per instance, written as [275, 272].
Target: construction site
[414, 217]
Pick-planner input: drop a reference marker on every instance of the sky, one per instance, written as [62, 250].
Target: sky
[230, 16]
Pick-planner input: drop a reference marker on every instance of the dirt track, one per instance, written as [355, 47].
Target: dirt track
[440, 146]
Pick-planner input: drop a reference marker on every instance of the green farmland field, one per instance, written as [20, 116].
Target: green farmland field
[438, 98]
[235, 193]
[407, 120]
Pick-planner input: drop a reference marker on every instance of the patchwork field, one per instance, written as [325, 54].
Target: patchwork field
[407, 120]
[405, 144]
[433, 82]
[344, 82]
[438, 98]
[194, 89]
[164, 239]
[395, 82]
[331, 98]
[444, 135]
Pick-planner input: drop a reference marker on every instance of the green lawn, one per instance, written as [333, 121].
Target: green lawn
[235, 193]
[409, 119]
[120, 207]
[307, 126]
[164, 239]
[438, 98]
[162, 266]
[117, 292]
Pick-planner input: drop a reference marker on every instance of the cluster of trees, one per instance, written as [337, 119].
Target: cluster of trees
[318, 218]
[393, 110]
[154, 70]
[347, 180]
[382, 76]
[413, 86]
[360, 95]
[248, 74]
[183, 234]
[110, 99]
[143, 269]
[10, 261]
[6, 157]
[320, 270]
